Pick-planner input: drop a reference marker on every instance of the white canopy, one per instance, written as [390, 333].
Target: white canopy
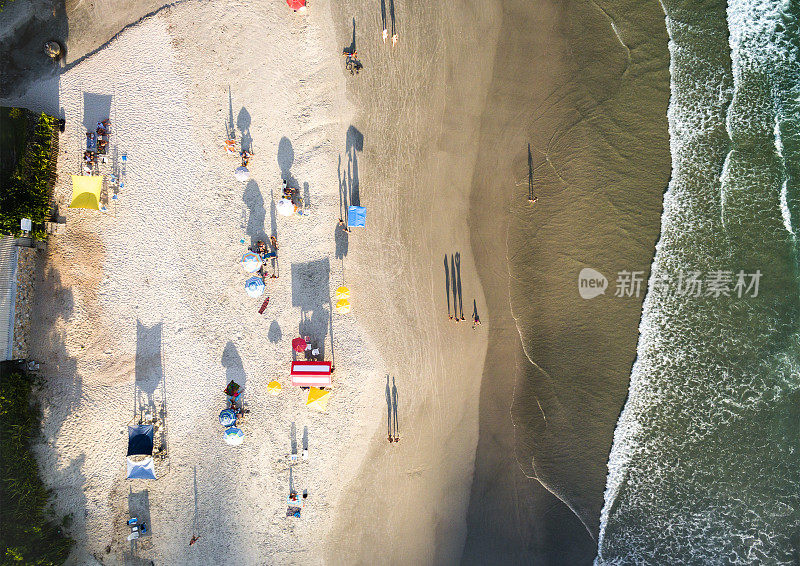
[242, 174]
[285, 207]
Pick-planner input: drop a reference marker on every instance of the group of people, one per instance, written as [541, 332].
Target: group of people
[96, 144]
[266, 255]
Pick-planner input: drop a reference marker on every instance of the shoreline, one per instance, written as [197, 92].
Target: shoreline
[590, 105]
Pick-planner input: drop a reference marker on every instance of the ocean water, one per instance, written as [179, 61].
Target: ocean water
[705, 464]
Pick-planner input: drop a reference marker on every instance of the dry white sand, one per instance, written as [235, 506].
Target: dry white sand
[153, 290]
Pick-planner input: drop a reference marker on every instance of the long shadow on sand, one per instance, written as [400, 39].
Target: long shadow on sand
[311, 291]
[257, 215]
[232, 362]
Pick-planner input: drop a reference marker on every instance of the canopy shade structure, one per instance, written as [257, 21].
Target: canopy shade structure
[86, 191]
[254, 286]
[309, 374]
[356, 216]
[140, 440]
[242, 174]
[144, 470]
[342, 293]
[234, 436]
[274, 388]
[285, 207]
[227, 417]
[343, 306]
[299, 345]
[251, 262]
[318, 399]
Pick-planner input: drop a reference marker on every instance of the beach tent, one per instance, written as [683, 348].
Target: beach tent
[227, 417]
[241, 174]
[274, 388]
[308, 374]
[285, 207]
[343, 306]
[318, 399]
[342, 293]
[356, 216]
[144, 470]
[86, 191]
[254, 286]
[251, 262]
[140, 440]
[233, 436]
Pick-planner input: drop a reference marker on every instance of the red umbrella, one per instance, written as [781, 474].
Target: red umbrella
[296, 4]
[299, 345]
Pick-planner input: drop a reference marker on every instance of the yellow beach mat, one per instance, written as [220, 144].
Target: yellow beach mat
[342, 293]
[274, 388]
[86, 191]
[318, 399]
[343, 306]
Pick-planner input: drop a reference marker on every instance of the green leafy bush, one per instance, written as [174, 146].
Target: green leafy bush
[26, 194]
[27, 536]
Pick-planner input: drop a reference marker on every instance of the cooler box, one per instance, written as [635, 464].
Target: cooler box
[311, 374]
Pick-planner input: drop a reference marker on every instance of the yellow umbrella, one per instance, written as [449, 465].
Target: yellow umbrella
[343, 306]
[343, 293]
[86, 191]
[274, 388]
[318, 399]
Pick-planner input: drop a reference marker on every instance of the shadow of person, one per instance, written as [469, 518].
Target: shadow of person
[354, 142]
[395, 422]
[232, 362]
[458, 280]
[388, 409]
[447, 285]
[293, 437]
[285, 162]
[454, 285]
[350, 49]
[257, 212]
[341, 237]
[274, 334]
[305, 438]
[243, 123]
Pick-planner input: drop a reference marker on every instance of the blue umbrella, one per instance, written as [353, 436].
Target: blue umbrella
[227, 417]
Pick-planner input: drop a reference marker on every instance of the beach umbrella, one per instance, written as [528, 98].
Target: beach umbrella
[299, 345]
[297, 4]
[318, 399]
[241, 174]
[274, 388]
[343, 306]
[342, 293]
[251, 262]
[285, 207]
[254, 286]
[227, 417]
[233, 436]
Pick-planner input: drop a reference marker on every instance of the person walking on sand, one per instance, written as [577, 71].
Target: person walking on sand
[194, 540]
[385, 35]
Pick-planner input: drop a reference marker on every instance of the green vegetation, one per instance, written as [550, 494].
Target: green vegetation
[27, 535]
[26, 178]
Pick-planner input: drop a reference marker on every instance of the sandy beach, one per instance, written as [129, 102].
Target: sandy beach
[144, 305]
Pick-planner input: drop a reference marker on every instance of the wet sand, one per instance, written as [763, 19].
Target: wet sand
[419, 106]
[592, 106]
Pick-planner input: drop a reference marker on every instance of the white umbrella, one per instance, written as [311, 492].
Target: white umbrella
[242, 174]
[234, 436]
[251, 262]
[285, 207]
[254, 286]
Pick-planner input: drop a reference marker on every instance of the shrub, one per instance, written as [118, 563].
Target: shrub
[26, 194]
[27, 536]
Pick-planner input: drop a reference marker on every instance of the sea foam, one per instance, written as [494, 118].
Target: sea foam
[703, 468]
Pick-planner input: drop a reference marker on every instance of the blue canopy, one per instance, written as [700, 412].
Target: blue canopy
[356, 216]
[144, 470]
[140, 440]
[227, 417]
